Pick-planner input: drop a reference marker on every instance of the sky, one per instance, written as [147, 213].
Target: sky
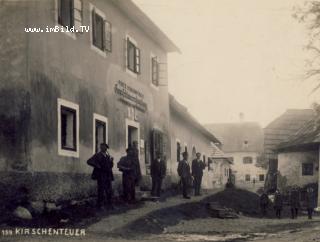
[238, 56]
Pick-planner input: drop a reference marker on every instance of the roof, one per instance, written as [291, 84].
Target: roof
[217, 153]
[308, 136]
[182, 111]
[238, 137]
[285, 126]
[133, 12]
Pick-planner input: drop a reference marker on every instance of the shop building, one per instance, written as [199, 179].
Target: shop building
[63, 93]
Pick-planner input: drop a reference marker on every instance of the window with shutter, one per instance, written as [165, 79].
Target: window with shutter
[65, 13]
[77, 14]
[97, 30]
[133, 57]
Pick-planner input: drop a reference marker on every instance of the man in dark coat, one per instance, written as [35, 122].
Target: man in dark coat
[294, 202]
[264, 201]
[135, 148]
[102, 172]
[311, 202]
[185, 175]
[197, 172]
[278, 203]
[158, 172]
[129, 175]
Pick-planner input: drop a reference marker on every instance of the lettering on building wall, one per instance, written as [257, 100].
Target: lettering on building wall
[130, 96]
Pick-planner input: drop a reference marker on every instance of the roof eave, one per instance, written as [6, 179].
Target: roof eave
[146, 24]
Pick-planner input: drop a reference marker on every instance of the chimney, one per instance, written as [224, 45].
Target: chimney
[241, 117]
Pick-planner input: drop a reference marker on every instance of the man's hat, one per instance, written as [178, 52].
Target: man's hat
[105, 144]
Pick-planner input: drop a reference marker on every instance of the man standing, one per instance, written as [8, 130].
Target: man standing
[197, 172]
[102, 172]
[294, 202]
[129, 175]
[278, 203]
[264, 202]
[311, 202]
[135, 147]
[158, 172]
[184, 173]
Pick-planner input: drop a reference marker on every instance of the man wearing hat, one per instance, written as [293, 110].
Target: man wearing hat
[197, 172]
[102, 172]
[158, 172]
[185, 175]
[129, 175]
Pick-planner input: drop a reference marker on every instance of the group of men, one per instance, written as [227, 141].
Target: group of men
[294, 202]
[191, 176]
[102, 163]
[129, 165]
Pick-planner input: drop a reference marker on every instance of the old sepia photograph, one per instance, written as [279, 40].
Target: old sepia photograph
[159, 120]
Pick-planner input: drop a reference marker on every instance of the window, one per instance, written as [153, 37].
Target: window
[230, 159]
[247, 177]
[68, 128]
[210, 165]
[204, 158]
[100, 131]
[101, 31]
[185, 148]
[70, 13]
[245, 143]
[178, 151]
[261, 177]
[159, 143]
[133, 57]
[307, 169]
[155, 71]
[247, 160]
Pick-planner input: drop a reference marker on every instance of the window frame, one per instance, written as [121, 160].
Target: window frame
[246, 158]
[102, 119]
[247, 176]
[74, 20]
[303, 170]
[64, 151]
[136, 69]
[261, 175]
[104, 49]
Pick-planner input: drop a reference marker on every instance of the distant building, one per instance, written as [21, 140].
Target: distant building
[219, 169]
[298, 157]
[242, 143]
[278, 131]
[187, 134]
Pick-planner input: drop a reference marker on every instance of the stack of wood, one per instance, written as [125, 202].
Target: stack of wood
[217, 211]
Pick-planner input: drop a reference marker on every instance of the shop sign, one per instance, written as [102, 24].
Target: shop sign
[130, 96]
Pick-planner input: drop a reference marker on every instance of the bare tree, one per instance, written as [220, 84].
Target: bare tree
[309, 15]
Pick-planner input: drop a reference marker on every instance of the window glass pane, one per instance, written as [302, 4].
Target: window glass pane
[178, 151]
[247, 160]
[68, 128]
[100, 134]
[98, 28]
[247, 177]
[307, 169]
[65, 13]
[131, 56]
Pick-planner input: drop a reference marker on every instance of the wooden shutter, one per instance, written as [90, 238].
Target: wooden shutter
[107, 36]
[94, 34]
[77, 14]
[137, 60]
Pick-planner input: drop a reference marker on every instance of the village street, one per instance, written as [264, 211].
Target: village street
[166, 221]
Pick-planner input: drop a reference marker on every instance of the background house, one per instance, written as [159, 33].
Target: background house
[219, 167]
[242, 143]
[298, 157]
[278, 131]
